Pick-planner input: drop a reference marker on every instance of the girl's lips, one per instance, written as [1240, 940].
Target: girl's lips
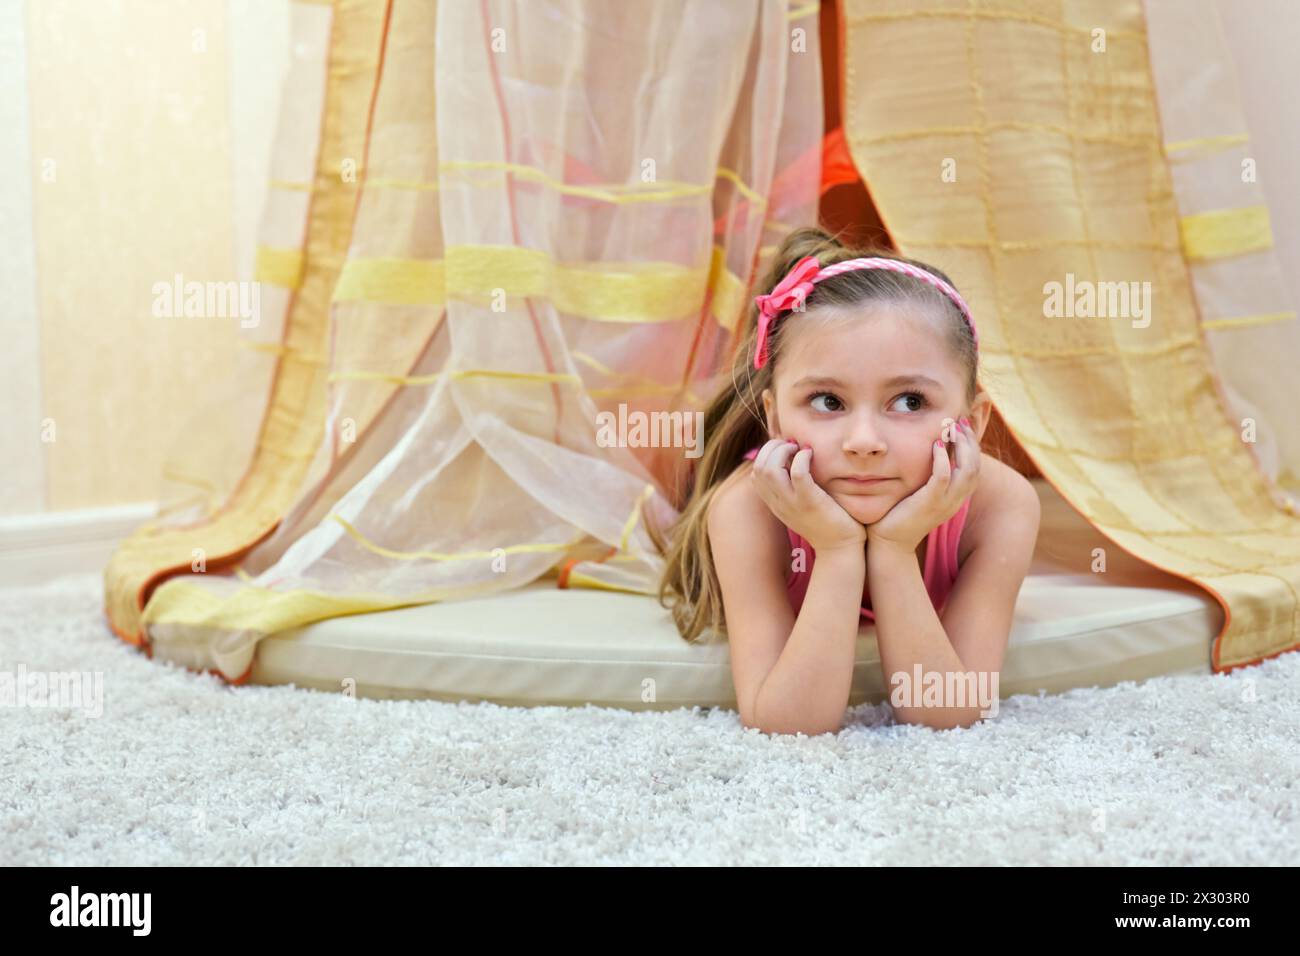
[867, 481]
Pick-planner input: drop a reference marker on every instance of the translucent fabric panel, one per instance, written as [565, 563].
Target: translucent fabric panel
[301, 249]
[1045, 113]
[1247, 311]
[558, 208]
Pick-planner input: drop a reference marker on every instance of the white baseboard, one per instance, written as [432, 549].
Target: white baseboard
[36, 548]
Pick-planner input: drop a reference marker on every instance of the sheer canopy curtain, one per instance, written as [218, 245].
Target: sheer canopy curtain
[488, 223]
[1236, 179]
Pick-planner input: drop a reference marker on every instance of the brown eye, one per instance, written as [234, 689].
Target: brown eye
[825, 395]
[921, 400]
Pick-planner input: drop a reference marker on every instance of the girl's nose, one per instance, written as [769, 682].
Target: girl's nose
[863, 436]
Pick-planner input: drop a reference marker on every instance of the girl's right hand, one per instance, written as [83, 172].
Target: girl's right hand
[783, 478]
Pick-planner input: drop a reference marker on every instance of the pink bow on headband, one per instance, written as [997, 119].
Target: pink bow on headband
[789, 293]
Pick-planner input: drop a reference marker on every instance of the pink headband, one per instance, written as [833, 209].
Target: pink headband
[791, 292]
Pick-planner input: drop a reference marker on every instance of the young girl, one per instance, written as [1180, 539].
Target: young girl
[837, 498]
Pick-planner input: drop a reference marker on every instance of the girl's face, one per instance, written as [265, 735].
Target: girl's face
[870, 397]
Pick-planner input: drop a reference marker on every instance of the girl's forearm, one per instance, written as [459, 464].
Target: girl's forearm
[807, 690]
[909, 633]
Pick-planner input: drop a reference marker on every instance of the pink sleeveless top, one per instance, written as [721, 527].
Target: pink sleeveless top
[939, 573]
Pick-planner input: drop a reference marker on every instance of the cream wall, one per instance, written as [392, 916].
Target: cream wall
[22, 461]
[140, 140]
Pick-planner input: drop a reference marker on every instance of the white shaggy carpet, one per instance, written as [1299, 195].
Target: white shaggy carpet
[181, 769]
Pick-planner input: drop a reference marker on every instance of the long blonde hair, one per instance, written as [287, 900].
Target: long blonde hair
[734, 422]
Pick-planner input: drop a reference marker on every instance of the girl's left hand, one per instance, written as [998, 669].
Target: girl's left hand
[909, 521]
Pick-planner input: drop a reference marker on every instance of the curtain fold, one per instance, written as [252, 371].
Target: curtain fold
[1018, 145]
[522, 222]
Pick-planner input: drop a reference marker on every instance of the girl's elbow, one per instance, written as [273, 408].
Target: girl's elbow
[807, 728]
[940, 718]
